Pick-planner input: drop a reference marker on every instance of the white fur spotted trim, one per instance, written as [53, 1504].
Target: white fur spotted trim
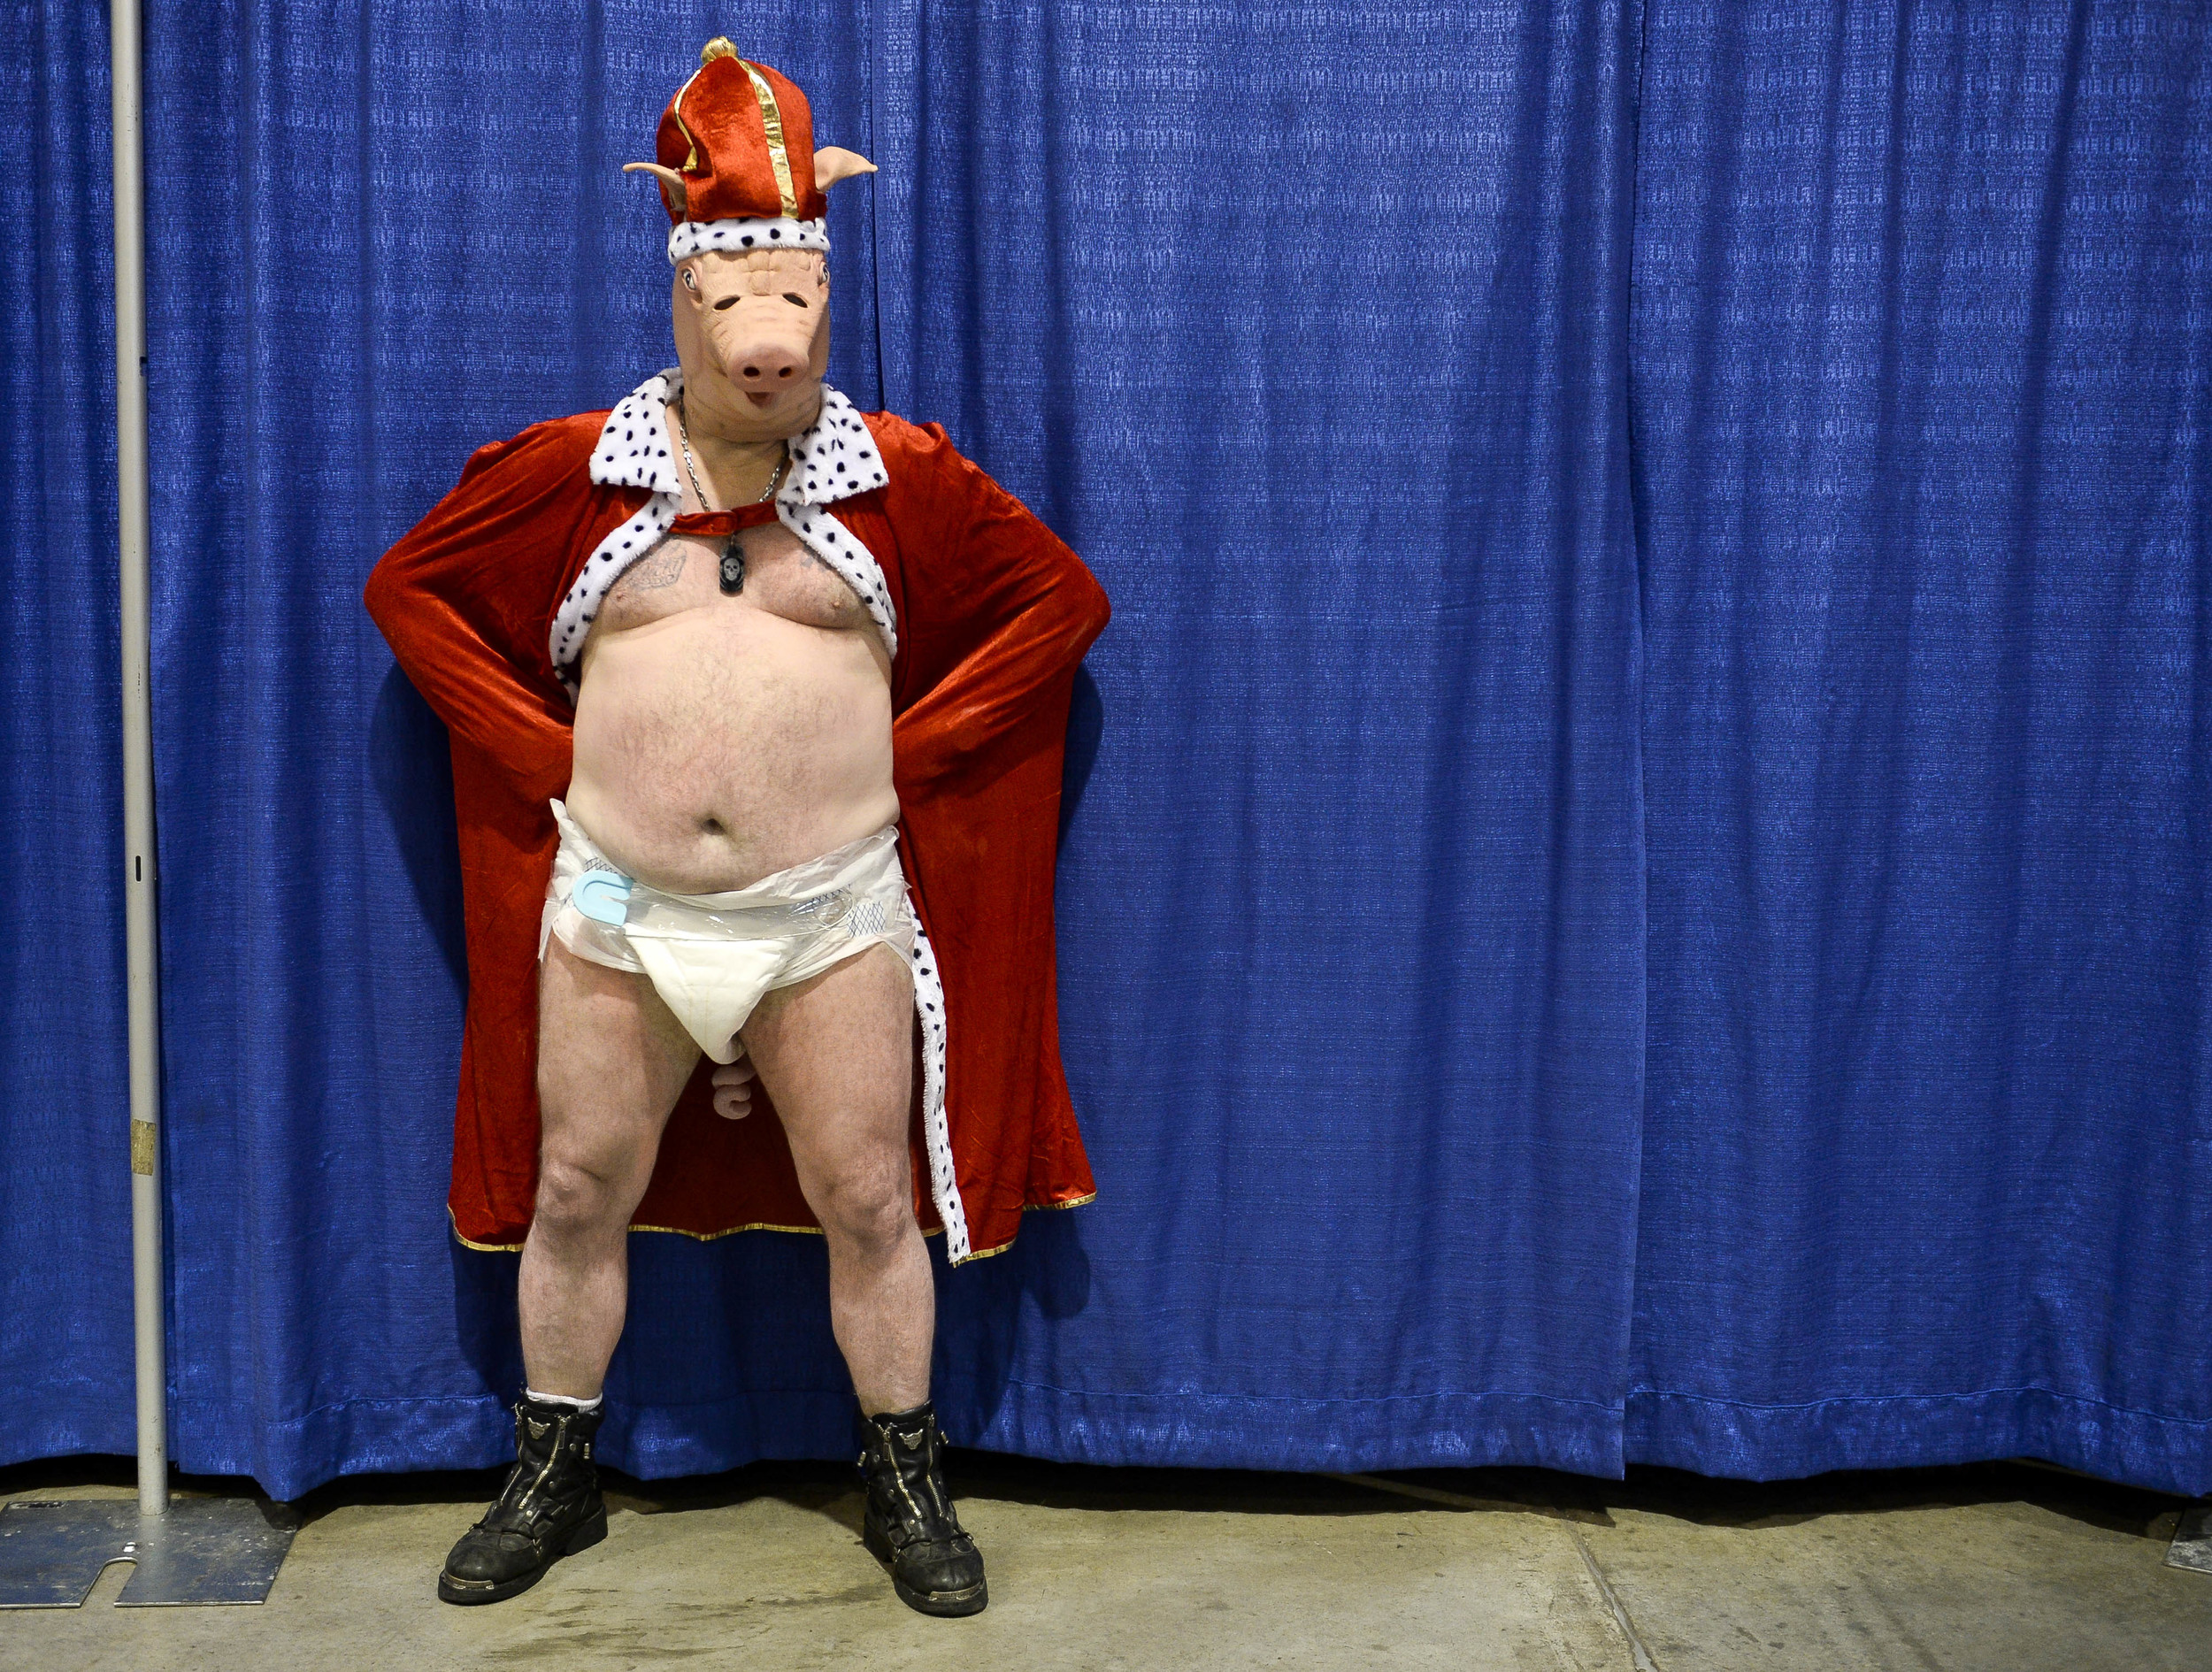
[834, 459]
[944, 1184]
[633, 452]
[689, 237]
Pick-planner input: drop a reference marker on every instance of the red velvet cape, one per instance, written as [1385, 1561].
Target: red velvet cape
[993, 613]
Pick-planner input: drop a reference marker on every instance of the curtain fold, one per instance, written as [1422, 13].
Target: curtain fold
[1307, 327]
[1924, 446]
[66, 1335]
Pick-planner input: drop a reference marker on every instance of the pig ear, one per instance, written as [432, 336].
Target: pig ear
[833, 163]
[673, 191]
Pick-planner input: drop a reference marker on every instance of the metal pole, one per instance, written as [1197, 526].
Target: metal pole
[144, 971]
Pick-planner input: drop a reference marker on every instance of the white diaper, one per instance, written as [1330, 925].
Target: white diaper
[711, 956]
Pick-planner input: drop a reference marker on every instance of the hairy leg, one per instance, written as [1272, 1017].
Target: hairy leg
[835, 1053]
[611, 1061]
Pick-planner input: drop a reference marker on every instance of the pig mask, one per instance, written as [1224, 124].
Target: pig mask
[752, 336]
[743, 186]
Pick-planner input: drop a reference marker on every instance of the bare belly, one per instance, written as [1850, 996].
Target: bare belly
[721, 741]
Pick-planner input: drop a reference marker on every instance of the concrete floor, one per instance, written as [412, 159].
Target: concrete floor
[2009, 1567]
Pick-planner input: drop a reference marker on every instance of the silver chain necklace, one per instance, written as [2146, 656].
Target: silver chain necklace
[691, 464]
[732, 577]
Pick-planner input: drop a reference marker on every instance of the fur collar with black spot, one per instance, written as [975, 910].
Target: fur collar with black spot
[834, 459]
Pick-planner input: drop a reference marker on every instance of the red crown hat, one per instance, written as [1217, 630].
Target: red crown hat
[737, 168]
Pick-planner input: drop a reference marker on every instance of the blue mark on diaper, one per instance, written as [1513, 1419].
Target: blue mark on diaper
[603, 896]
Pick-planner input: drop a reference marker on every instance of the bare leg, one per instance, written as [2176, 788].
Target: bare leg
[835, 1053]
[611, 1063]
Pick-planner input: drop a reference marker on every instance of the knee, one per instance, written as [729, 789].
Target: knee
[577, 1196]
[869, 1210]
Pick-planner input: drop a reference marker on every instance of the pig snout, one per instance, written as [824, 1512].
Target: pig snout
[764, 345]
[765, 366]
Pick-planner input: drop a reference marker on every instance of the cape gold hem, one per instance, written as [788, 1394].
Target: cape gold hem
[797, 1231]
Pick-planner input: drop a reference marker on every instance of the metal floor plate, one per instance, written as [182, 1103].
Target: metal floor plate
[206, 1550]
[2193, 1540]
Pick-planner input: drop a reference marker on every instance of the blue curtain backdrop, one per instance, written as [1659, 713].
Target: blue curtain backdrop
[1923, 363]
[64, 1104]
[1764, 472]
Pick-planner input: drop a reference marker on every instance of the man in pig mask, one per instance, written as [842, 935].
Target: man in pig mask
[757, 705]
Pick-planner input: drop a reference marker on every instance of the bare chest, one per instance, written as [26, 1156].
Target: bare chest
[763, 569]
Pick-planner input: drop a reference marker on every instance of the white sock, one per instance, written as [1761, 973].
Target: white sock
[591, 1404]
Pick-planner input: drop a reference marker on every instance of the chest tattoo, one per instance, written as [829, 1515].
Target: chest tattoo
[663, 568]
[732, 567]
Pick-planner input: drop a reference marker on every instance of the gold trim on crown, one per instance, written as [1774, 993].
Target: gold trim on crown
[676, 110]
[771, 119]
[717, 48]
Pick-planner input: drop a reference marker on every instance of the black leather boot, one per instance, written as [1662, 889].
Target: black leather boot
[550, 1509]
[910, 1526]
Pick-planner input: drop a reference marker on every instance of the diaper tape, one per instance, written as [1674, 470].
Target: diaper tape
[603, 896]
